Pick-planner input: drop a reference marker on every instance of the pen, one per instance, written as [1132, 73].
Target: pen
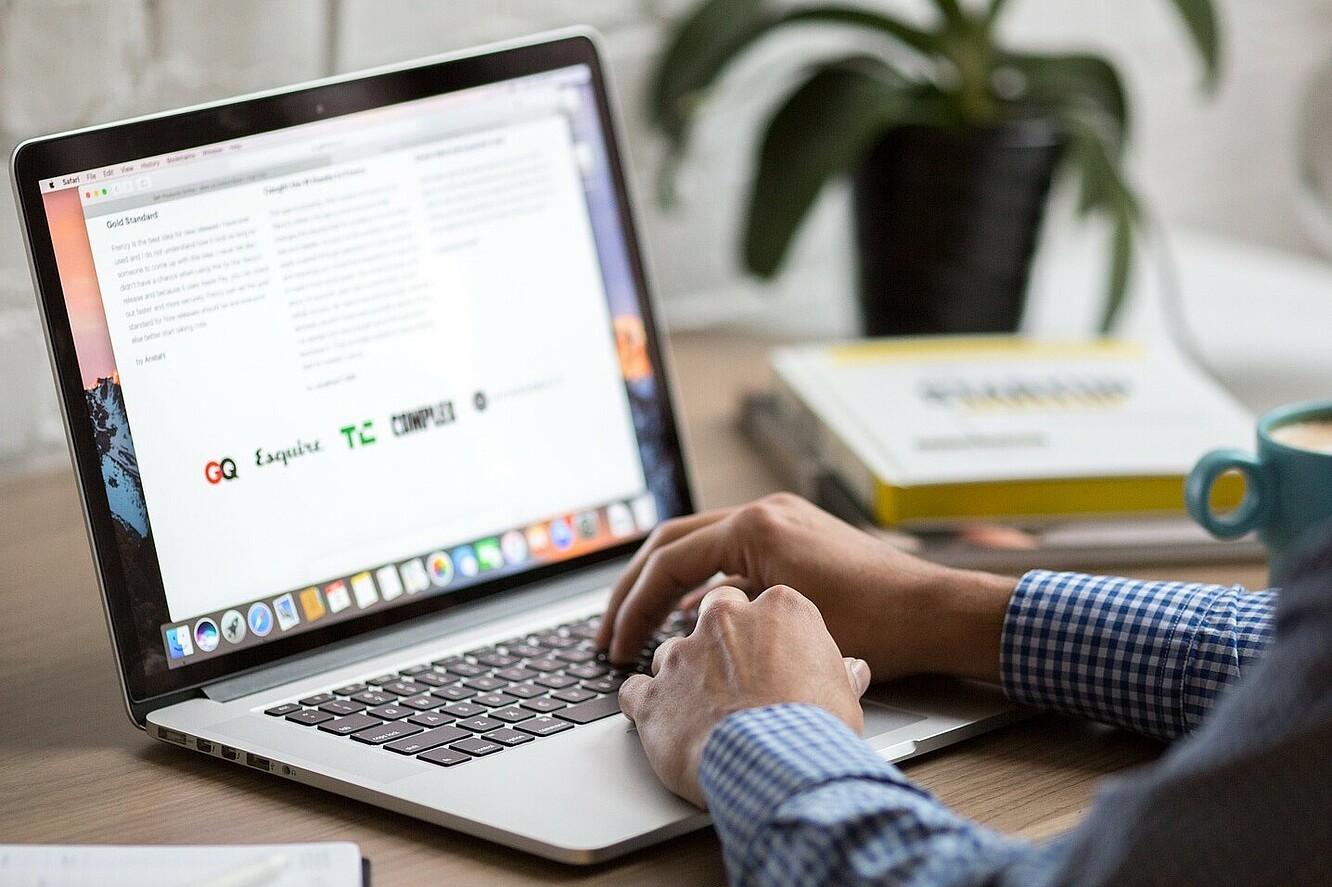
[261, 871]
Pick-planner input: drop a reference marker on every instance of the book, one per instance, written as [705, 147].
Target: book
[1068, 544]
[325, 864]
[934, 431]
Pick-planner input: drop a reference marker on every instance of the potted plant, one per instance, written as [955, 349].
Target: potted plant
[951, 138]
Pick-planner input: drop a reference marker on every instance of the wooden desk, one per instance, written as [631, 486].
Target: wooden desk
[73, 769]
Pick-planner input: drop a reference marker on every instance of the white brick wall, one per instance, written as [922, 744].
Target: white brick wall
[1223, 165]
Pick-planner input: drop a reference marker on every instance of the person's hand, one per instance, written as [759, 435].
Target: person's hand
[900, 614]
[741, 655]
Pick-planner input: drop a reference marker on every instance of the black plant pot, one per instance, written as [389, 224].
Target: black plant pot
[946, 224]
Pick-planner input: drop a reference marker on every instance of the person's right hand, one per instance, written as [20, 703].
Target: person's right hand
[901, 614]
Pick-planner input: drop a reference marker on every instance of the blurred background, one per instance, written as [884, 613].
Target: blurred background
[1224, 171]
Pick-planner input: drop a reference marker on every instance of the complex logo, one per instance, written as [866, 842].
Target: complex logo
[216, 472]
[421, 419]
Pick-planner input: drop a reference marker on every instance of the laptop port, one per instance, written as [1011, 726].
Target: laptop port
[230, 753]
[256, 761]
[171, 735]
[204, 746]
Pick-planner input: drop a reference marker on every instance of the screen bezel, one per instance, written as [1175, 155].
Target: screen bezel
[115, 143]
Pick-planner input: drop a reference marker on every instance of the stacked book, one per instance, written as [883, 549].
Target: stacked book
[991, 451]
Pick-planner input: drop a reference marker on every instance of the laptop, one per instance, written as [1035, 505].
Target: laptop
[368, 407]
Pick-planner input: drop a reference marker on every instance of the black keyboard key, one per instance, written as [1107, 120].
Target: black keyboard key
[604, 685]
[525, 691]
[404, 688]
[342, 707]
[516, 673]
[545, 665]
[467, 669]
[479, 725]
[556, 641]
[385, 733]
[436, 679]
[496, 660]
[495, 700]
[456, 693]
[575, 694]
[445, 757]
[590, 671]
[391, 712]
[556, 681]
[349, 724]
[425, 741]
[595, 710]
[544, 705]
[587, 631]
[420, 703]
[523, 650]
[317, 700]
[577, 657]
[544, 726]
[285, 708]
[446, 661]
[374, 697]
[414, 670]
[429, 719]
[505, 736]
[511, 715]
[476, 747]
[351, 689]
[309, 717]
[485, 684]
[382, 680]
[464, 710]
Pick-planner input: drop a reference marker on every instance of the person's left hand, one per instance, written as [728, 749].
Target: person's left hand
[741, 654]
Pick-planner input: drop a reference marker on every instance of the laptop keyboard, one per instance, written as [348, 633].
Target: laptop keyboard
[481, 702]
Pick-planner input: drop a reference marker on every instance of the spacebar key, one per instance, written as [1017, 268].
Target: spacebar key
[586, 712]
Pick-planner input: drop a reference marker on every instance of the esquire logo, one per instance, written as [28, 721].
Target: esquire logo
[223, 469]
[283, 456]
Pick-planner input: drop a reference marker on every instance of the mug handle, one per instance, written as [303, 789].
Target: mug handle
[1254, 510]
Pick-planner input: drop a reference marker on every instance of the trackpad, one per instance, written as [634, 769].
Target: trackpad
[880, 719]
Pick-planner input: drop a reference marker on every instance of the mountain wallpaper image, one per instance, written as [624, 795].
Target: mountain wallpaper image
[124, 493]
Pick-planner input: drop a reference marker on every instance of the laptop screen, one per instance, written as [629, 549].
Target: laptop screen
[335, 368]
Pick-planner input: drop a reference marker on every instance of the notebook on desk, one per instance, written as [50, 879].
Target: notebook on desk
[368, 408]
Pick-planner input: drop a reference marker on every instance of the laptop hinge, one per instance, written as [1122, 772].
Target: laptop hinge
[418, 631]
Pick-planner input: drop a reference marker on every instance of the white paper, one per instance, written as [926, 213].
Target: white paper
[333, 864]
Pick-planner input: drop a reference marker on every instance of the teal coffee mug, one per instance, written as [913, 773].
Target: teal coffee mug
[1288, 484]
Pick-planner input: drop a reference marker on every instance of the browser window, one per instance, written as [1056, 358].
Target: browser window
[381, 355]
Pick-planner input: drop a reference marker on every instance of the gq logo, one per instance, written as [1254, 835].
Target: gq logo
[216, 472]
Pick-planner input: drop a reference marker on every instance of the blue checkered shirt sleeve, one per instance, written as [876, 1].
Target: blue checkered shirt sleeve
[799, 799]
[1149, 656]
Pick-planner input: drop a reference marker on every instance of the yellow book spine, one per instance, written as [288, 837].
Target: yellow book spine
[1054, 497]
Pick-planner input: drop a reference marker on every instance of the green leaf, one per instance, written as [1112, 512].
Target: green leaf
[1121, 267]
[720, 31]
[821, 131]
[1060, 83]
[952, 12]
[1104, 190]
[1200, 19]
[697, 50]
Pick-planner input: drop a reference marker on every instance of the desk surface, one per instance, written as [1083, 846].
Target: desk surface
[73, 769]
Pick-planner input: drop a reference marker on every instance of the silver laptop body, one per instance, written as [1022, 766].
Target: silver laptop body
[398, 398]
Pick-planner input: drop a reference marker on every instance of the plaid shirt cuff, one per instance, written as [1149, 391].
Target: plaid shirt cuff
[1150, 656]
[758, 759]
